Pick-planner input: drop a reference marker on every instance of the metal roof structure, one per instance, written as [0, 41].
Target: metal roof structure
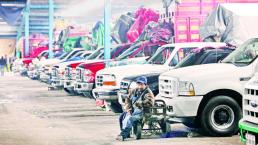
[38, 16]
[69, 9]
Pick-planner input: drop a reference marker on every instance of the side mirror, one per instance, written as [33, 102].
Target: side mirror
[147, 58]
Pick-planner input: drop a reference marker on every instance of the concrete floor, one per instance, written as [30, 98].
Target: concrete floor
[32, 115]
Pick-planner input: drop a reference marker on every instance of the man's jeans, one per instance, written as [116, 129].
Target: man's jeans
[2, 70]
[137, 115]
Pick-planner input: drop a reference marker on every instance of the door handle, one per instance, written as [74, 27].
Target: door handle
[245, 78]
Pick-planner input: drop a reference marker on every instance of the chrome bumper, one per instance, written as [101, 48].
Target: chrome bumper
[44, 77]
[56, 82]
[104, 94]
[81, 87]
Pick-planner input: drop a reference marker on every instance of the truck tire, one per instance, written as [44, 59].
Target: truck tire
[70, 92]
[116, 107]
[88, 95]
[165, 127]
[220, 116]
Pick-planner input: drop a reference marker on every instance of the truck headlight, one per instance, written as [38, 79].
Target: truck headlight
[186, 89]
[88, 76]
[133, 85]
[109, 80]
[61, 72]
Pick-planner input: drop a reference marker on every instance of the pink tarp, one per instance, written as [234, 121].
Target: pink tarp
[143, 17]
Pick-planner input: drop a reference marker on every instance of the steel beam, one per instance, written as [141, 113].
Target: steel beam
[46, 6]
[51, 27]
[27, 30]
[107, 44]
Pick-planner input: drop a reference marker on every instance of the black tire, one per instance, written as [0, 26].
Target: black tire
[116, 107]
[165, 127]
[138, 131]
[195, 124]
[88, 95]
[70, 92]
[220, 116]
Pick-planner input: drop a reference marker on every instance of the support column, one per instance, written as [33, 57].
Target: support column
[27, 31]
[51, 28]
[107, 43]
[17, 51]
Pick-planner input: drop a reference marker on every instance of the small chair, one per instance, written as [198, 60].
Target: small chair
[155, 122]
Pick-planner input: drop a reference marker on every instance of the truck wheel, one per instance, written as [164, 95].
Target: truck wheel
[88, 94]
[165, 127]
[116, 107]
[220, 116]
[71, 92]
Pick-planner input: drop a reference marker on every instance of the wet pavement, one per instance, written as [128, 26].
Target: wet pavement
[32, 115]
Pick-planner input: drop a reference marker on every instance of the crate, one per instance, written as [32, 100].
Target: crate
[190, 14]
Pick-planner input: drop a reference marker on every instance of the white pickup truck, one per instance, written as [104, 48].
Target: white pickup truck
[44, 68]
[166, 57]
[210, 96]
[248, 125]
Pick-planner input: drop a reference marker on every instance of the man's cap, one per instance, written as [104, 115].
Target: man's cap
[142, 80]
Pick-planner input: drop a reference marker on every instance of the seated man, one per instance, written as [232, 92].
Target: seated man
[139, 101]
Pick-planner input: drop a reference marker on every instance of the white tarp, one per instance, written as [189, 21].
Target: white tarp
[232, 23]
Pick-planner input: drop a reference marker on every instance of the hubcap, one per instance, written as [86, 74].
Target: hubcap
[222, 117]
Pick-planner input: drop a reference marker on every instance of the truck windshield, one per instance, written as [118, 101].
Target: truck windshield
[96, 53]
[129, 51]
[64, 55]
[140, 51]
[192, 59]
[245, 54]
[161, 56]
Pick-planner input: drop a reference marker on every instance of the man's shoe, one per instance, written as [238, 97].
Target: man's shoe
[120, 138]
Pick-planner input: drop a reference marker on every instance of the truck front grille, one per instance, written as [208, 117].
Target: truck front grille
[68, 73]
[79, 74]
[124, 85]
[54, 72]
[99, 80]
[168, 87]
[250, 105]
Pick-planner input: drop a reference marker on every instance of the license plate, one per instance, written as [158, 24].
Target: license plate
[250, 139]
[159, 111]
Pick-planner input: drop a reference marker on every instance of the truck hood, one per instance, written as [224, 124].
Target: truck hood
[201, 70]
[131, 70]
[63, 65]
[210, 77]
[49, 62]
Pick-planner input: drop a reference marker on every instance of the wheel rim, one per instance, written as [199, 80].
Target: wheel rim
[222, 117]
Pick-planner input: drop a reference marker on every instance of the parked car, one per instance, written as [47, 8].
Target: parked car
[21, 65]
[196, 56]
[44, 67]
[31, 69]
[86, 72]
[249, 123]
[109, 79]
[210, 96]
[97, 61]
[57, 75]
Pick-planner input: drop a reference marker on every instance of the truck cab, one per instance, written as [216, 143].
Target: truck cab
[86, 73]
[166, 58]
[94, 60]
[22, 65]
[44, 67]
[57, 75]
[210, 96]
[196, 56]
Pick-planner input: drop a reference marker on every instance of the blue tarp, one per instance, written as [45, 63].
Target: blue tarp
[10, 14]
